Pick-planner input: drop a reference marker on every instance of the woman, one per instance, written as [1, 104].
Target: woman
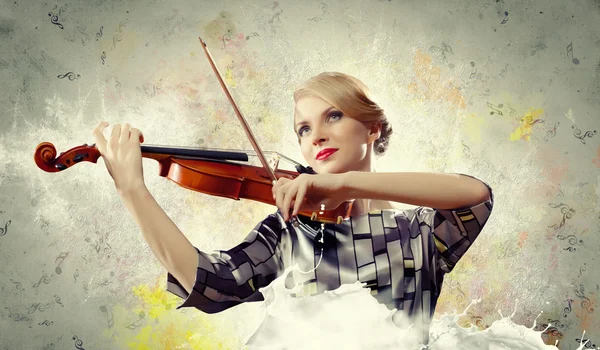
[402, 255]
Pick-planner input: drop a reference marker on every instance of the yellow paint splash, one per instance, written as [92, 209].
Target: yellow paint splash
[523, 131]
[155, 323]
[229, 77]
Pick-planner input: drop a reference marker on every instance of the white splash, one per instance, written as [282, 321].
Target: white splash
[351, 318]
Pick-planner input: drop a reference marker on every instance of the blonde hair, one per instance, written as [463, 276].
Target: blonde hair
[351, 97]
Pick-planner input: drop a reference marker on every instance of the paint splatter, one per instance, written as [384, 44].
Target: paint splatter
[524, 130]
[522, 238]
[429, 84]
[155, 323]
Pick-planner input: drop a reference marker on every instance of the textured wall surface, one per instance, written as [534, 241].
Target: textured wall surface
[507, 91]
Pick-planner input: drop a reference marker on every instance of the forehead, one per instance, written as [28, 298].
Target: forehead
[310, 107]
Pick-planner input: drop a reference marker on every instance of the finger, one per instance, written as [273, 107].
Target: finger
[299, 199]
[277, 185]
[125, 130]
[287, 198]
[274, 188]
[279, 197]
[116, 133]
[100, 140]
[136, 134]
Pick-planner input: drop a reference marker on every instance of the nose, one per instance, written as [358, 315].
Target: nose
[318, 136]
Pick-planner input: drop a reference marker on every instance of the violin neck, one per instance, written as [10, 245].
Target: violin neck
[148, 151]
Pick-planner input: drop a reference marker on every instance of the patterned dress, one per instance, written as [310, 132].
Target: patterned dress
[402, 256]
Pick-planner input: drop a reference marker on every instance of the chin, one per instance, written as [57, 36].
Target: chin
[329, 168]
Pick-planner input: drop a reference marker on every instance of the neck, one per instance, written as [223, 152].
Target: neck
[363, 206]
[367, 163]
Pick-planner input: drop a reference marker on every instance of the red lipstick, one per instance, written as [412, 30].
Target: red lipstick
[325, 153]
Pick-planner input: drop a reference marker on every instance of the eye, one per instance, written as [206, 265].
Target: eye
[336, 115]
[302, 129]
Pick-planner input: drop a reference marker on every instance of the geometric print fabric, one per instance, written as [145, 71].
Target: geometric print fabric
[401, 255]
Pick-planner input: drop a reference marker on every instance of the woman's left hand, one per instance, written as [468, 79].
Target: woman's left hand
[308, 192]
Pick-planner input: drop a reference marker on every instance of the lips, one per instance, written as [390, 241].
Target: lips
[325, 153]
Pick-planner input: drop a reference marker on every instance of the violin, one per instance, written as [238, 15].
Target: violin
[223, 173]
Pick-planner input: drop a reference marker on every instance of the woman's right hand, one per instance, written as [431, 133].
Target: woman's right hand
[122, 155]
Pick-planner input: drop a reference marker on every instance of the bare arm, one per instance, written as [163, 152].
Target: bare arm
[435, 190]
[170, 246]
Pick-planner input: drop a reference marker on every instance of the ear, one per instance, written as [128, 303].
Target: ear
[374, 130]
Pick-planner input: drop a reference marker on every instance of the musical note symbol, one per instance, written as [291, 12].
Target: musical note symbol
[38, 306]
[473, 71]
[251, 35]
[107, 248]
[110, 320]
[45, 225]
[107, 281]
[103, 57]
[61, 257]
[512, 110]
[586, 343]
[504, 70]
[44, 279]
[529, 120]
[69, 75]
[99, 34]
[96, 245]
[552, 132]
[570, 50]
[466, 149]
[17, 284]
[17, 316]
[577, 134]
[119, 36]
[54, 20]
[57, 300]
[75, 275]
[581, 269]
[78, 343]
[505, 18]
[567, 310]
[4, 230]
[226, 37]
[136, 324]
[495, 108]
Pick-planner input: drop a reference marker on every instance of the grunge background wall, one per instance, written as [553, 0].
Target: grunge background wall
[507, 91]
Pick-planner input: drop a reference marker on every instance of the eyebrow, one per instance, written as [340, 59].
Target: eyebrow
[303, 122]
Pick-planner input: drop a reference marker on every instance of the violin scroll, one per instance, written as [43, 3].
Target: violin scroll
[45, 156]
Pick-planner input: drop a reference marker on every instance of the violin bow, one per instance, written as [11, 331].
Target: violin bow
[242, 120]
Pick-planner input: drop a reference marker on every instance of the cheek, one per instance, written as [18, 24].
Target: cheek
[305, 152]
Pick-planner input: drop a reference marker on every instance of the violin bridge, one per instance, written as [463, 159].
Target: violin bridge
[275, 162]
